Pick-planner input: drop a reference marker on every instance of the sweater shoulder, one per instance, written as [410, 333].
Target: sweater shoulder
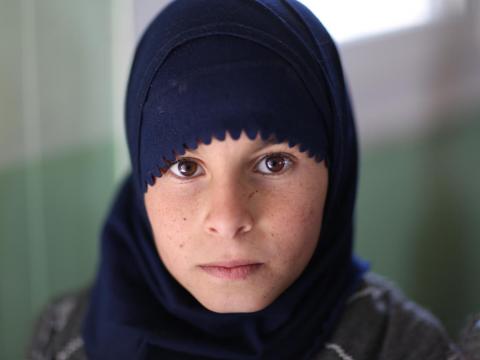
[57, 330]
[470, 338]
[380, 322]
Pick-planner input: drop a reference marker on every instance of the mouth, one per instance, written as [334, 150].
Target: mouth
[232, 270]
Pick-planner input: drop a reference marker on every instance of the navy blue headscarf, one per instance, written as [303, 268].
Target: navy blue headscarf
[204, 68]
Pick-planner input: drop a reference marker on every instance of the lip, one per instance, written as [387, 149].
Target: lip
[231, 270]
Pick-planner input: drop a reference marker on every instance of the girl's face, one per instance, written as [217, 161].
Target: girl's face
[236, 222]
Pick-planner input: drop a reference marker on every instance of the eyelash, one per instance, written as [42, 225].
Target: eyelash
[288, 163]
[179, 161]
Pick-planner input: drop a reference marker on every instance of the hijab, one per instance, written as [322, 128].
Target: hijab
[204, 68]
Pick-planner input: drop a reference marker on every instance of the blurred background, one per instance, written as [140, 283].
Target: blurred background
[414, 73]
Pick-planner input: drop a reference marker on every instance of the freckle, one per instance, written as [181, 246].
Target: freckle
[184, 219]
[181, 245]
[253, 193]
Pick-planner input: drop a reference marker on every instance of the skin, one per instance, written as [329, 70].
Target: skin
[230, 205]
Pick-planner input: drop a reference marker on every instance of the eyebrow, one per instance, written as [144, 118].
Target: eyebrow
[271, 140]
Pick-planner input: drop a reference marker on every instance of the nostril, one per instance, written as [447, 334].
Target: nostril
[227, 215]
[245, 228]
[227, 230]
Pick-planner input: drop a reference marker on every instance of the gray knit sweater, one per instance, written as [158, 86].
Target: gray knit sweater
[378, 323]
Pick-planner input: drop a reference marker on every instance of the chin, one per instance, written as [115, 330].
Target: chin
[229, 304]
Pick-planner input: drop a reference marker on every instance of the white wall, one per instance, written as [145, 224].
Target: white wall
[403, 83]
[55, 82]
[145, 11]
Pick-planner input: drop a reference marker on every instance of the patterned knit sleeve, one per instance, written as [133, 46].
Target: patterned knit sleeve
[56, 334]
[380, 322]
[470, 340]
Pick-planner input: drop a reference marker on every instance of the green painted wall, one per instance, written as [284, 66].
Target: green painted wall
[48, 237]
[56, 159]
[418, 217]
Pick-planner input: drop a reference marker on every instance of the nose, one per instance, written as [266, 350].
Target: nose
[228, 212]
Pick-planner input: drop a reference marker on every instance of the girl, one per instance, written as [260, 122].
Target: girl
[232, 237]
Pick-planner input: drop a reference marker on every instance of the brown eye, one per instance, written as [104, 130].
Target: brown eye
[273, 164]
[185, 168]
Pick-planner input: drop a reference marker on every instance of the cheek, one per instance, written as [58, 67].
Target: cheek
[172, 225]
[295, 223]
